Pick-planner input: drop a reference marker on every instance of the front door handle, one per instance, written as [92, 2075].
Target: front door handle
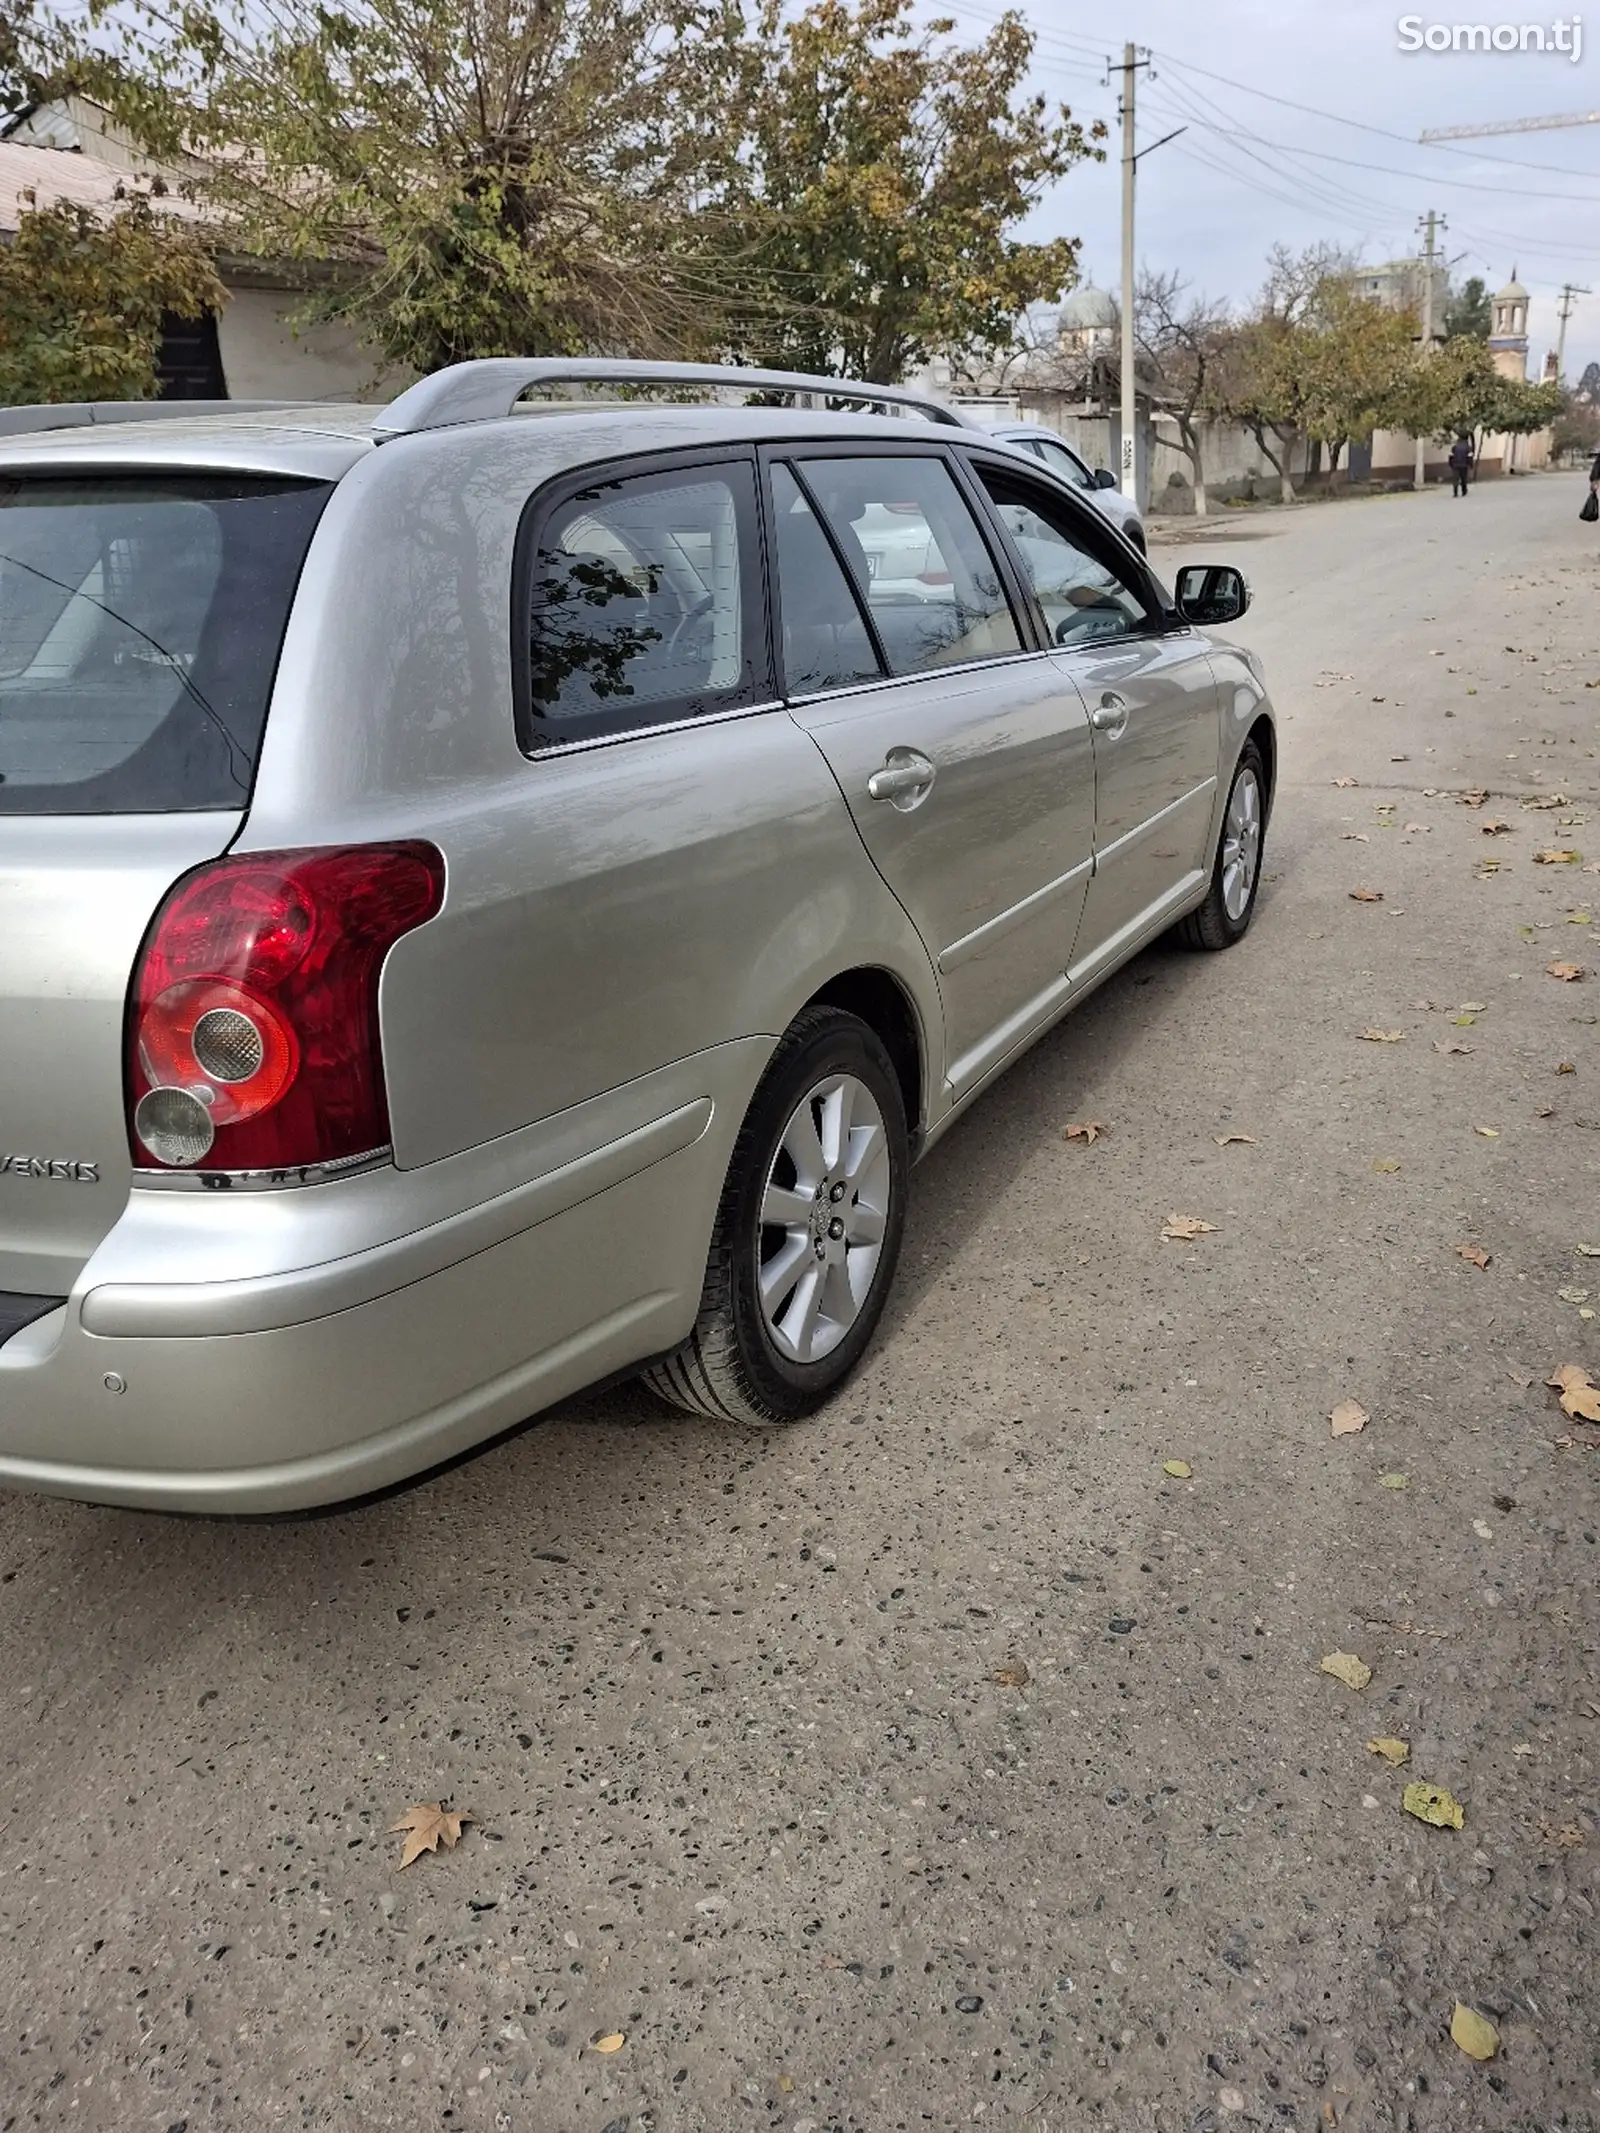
[904, 779]
[1110, 714]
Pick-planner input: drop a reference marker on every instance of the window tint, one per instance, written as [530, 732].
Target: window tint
[1060, 461]
[1083, 601]
[640, 605]
[932, 587]
[140, 624]
[826, 644]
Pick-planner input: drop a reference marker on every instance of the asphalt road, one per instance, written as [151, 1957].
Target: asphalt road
[946, 1762]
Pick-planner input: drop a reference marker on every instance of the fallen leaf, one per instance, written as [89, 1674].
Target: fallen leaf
[1587, 1251]
[1568, 973]
[1227, 1140]
[1490, 1133]
[1394, 1481]
[1392, 1750]
[1495, 828]
[1569, 1838]
[1462, 1021]
[1475, 798]
[427, 1827]
[1573, 1296]
[1382, 1036]
[1183, 1229]
[1473, 1007]
[1483, 1529]
[1013, 1675]
[1349, 1418]
[1366, 896]
[1566, 1066]
[1523, 1747]
[1474, 1254]
[613, 2041]
[1558, 858]
[1431, 1803]
[1447, 1049]
[1346, 1667]
[1089, 1132]
[1475, 2033]
[1547, 801]
[1580, 1399]
[1179, 1469]
[1386, 1165]
[1344, 781]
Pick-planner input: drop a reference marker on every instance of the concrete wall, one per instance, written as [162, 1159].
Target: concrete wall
[263, 358]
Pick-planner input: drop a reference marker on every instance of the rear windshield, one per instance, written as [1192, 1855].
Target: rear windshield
[141, 619]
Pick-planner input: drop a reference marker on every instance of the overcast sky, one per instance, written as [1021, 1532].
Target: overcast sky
[1250, 172]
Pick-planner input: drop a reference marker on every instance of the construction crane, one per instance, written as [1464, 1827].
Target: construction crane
[1533, 125]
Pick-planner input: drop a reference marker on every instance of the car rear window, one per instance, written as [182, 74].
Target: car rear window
[141, 617]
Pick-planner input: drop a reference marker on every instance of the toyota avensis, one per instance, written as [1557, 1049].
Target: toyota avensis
[495, 894]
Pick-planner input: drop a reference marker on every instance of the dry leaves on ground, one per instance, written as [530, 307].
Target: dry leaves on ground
[1566, 1066]
[1394, 1481]
[1568, 973]
[1356, 837]
[611, 2041]
[1489, 1133]
[1565, 1837]
[1366, 896]
[1474, 1254]
[1349, 1418]
[1431, 1803]
[1012, 1675]
[1344, 782]
[1382, 1036]
[1476, 797]
[1183, 1229]
[1392, 1750]
[427, 1827]
[1496, 828]
[1346, 1667]
[1228, 1140]
[1546, 801]
[1386, 1165]
[1580, 1396]
[1091, 1130]
[1473, 2032]
[1447, 1049]
[1179, 1469]
[1558, 858]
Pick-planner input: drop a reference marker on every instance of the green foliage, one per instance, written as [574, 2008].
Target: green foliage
[885, 168]
[1469, 311]
[82, 297]
[456, 178]
[1458, 388]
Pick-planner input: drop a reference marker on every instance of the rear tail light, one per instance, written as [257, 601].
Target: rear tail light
[253, 1039]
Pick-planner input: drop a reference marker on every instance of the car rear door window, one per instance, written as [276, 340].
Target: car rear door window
[916, 553]
[642, 605]
[141, 618]
[825, 640]
[1083, 599]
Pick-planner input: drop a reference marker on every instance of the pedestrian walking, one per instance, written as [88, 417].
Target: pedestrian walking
[1461, 463]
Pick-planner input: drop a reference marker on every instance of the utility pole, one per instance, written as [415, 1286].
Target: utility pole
[1564, 312]
[1432, 223]
[1131, 63]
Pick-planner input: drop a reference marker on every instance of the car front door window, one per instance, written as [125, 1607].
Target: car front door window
[1084, 601]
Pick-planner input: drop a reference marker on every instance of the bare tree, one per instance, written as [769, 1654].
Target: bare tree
[1181, 337]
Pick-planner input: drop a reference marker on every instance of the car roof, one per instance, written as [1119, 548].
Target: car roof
[323, 441]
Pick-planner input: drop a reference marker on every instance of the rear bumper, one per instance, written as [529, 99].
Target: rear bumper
[312, 1384]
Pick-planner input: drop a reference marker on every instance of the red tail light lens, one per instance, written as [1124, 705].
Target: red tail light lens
[253, 1039]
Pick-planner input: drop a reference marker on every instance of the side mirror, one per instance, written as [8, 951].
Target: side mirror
[1104, 478]
[1212, 593]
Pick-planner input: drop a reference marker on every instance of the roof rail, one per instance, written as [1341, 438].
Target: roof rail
[90, 414]
[486, 391]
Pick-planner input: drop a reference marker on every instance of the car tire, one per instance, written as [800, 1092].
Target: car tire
[766, 1349]
[1224, 918]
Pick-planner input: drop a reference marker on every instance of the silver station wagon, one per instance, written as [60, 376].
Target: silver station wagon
[496, 893]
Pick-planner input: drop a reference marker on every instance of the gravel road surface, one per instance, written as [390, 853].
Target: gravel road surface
[949, 1762]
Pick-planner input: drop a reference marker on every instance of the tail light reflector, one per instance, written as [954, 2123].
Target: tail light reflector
[253, 1040]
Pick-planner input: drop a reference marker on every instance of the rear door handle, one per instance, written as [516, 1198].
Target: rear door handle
[1110, 714]
[904, 779]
